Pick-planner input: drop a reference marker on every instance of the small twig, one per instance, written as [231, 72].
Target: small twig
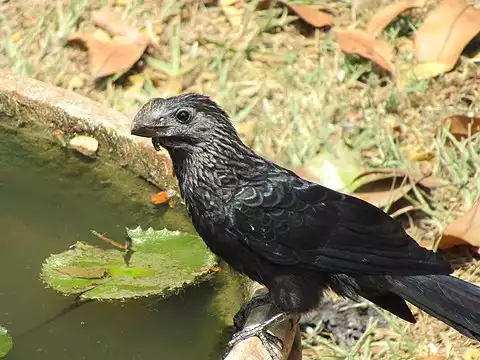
[108, 240]
[404, 210]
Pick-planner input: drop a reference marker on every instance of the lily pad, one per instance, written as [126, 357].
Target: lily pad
[158, 262]
[6, 342]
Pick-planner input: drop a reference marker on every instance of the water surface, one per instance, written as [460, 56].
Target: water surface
[49, 199]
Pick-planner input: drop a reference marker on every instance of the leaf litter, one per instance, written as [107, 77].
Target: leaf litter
[384, 186]
[109, 56]
[464, 230]
[308, 14]
[382, 18]
[462, 126]
[446, 31]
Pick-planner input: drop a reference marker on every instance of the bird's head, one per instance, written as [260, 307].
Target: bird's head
[182, 123]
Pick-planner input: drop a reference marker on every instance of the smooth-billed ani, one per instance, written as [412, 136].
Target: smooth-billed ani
[296, 237]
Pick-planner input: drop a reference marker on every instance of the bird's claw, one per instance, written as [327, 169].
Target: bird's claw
[268, 339]
[241, 316]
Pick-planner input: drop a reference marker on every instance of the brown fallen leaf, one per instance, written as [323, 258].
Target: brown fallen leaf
[109, 57]
[380, 20]
[385, 186]
[383, 191]
[163, 197]
[463, 230]
[84, 273]
[310, 15]
[366, 45]
[112, 21]
[446, 31]
[462, 126]
[434, 357]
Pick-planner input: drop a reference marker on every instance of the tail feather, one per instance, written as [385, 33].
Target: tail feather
[449, 299]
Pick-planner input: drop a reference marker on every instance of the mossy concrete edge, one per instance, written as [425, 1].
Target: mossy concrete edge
[30, 105]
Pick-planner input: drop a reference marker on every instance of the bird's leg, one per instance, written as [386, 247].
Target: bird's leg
[262, 333]
[241, 316]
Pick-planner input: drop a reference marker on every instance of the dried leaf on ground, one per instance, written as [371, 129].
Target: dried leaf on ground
[383, 190]
[366, 45]
[233, 10]
[382, 187]
[462, 126]
[463, 230]
[309, 14]
[112, 21]
[446, 31]
[109, 57]
[424, 70]
[434, 357]
[386, 15]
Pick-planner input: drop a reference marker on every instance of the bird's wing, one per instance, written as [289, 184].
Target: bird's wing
[288, 220]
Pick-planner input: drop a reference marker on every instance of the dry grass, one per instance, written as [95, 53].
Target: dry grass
[291, 96]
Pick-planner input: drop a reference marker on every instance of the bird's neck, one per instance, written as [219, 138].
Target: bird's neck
[209, 174]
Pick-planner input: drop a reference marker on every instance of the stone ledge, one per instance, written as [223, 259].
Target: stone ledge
[33, 105]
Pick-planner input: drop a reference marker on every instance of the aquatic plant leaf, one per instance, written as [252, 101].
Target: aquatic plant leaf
[6, 342]
[162, 262]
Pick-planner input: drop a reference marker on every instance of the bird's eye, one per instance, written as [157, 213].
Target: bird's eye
[183, 116]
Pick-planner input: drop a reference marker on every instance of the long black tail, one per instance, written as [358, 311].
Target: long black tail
[451, 300]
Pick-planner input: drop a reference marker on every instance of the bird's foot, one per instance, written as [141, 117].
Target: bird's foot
[241, 316]
[268, 339]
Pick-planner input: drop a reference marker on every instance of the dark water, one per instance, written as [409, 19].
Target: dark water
[49, 199]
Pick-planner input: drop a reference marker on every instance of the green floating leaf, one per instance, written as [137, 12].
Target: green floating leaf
[6, 342]
[162, 262]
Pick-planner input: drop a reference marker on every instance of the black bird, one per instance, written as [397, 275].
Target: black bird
[296, 237]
